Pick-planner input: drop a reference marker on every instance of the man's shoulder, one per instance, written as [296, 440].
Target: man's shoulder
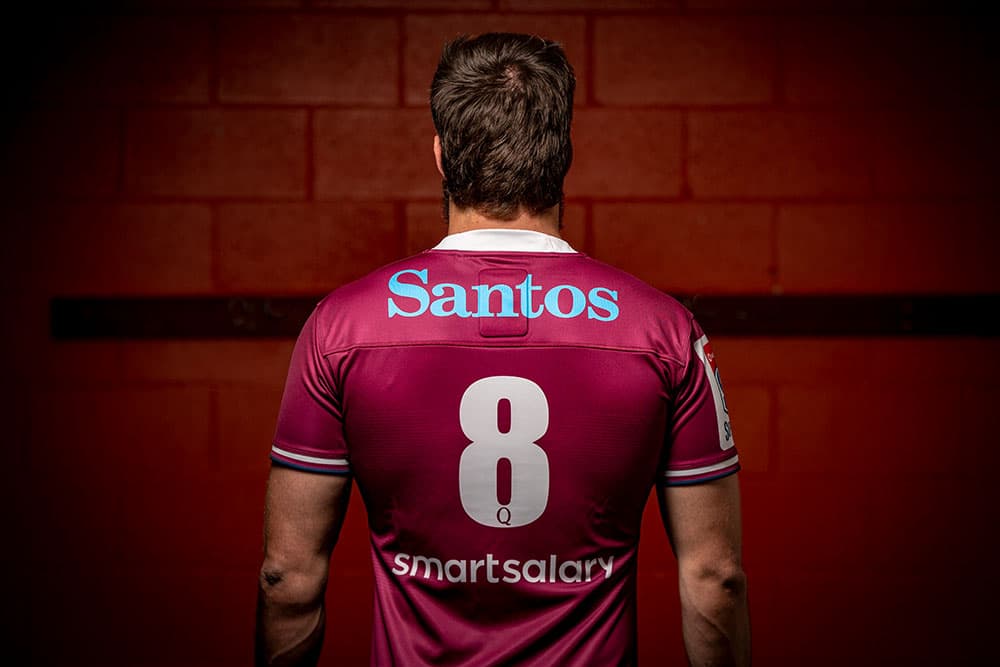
[351, 311]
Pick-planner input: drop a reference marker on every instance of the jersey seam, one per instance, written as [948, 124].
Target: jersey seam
[611, 348]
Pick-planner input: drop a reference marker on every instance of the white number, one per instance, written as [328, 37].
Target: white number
[529, 466]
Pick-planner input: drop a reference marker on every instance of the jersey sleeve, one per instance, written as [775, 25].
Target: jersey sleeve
[310, 431]
[699, 445]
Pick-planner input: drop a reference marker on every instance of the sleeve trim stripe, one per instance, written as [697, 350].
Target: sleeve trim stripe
[308, 468]
[702, 480]
[705, 469]
[308, 459]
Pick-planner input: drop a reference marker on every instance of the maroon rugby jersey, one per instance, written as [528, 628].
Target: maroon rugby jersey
[505, 405]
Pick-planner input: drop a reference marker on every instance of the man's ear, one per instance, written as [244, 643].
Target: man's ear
[437, 154]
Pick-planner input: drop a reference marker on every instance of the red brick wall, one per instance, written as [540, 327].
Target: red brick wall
[284, 147]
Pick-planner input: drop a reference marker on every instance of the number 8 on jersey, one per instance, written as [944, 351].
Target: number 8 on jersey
[477, 468]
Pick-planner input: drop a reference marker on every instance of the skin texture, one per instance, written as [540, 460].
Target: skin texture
[703, 523]
[302, 518]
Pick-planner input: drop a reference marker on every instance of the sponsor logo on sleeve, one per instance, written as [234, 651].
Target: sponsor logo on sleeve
[704, 351]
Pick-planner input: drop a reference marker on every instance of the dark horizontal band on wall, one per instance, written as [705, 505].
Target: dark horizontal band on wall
[89, 318]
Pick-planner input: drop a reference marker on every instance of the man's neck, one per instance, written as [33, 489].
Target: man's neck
[468, 219]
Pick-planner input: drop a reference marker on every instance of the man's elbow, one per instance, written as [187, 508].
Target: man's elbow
[292, 584]
[714, 583]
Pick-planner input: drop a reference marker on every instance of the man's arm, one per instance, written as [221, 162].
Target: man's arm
[302, 518]
[703, 523]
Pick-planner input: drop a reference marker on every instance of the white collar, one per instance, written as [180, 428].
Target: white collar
[504, 240]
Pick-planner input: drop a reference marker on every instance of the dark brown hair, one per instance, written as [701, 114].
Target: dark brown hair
[502, 105]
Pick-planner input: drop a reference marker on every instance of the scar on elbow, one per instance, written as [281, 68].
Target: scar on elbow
[271, 577]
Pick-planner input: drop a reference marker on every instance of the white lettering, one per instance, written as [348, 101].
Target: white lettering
[402, 562]
[476, 564]
[533, 571]
[490, 562]
[569, 579]
[455, 578]
[606, 565]
[427, 567]
[534, 578]
[513, 575]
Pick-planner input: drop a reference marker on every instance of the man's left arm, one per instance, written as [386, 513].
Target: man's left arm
[302, 518]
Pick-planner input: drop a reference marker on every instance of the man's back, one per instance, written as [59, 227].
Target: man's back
[504, 413]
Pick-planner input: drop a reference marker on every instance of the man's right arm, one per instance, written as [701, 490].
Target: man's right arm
[703, 523]
[302, 519]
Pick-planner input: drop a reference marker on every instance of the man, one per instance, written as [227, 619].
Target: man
[505, 405]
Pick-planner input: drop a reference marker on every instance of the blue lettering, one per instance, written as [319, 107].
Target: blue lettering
[506, 300]
[408, 291]
[600, 303]
[610, 306]
[526, 288]
[552, 301]
[457, 300]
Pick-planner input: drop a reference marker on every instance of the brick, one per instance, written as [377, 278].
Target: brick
[955, 504]
[120, 249]
[239, 502]
[574, 229]
[425, 227]
[688, 248]
[44, 362]
[426, 35]
[943, 153]
[905, 426]
[571, 5]
[110, 434]
[216, 153]
[134, 59]
[750, 411]
[247, 419]
[375, 154]
[809, 505]
[681, 60]
[818, 363]
[914, 60]
[406, 4]
[887, 248]
[625, 153]
[309, 248]
[779, 154]
[63, 153]
[256, 361]
[308, 59]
